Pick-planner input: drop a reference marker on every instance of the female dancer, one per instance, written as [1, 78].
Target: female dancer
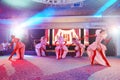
[79, 49]
[19, 47]
[61, 49]
[96, 51]
[40, 48]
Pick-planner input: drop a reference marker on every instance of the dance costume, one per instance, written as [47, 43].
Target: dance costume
[79, 49]
[96, 51]
[40, 48]
[19, 48]
[61, 49]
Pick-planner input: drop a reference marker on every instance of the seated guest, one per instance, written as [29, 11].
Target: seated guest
[1, 49]
[5, 45]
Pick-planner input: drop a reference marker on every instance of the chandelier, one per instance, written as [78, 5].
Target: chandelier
[61, 2]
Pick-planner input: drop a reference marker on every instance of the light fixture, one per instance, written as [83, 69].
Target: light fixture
[61, 2]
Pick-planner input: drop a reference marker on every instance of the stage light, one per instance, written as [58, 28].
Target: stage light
[97, 16]
[59, 2]
[39, 17]
[114, 31]
[17, 31]
[19, 4]
[105, 7]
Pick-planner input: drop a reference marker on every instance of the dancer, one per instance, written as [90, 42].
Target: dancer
[79, 49]
[40, 48]
[96, 51]
[19, 48]
[61, 49]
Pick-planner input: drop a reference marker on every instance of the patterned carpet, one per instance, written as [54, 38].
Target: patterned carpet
[48, 68]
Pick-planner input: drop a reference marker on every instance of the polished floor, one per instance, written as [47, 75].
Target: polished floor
[48, 68]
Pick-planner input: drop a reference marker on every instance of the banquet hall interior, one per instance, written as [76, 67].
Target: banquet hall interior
[30, 20]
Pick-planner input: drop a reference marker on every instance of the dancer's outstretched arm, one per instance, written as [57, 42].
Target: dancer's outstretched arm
[13, 52]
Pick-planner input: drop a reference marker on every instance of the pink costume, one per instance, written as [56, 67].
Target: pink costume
[96, 51]
[40, 48]
[61, 49]
[20, 48]
[79, 49]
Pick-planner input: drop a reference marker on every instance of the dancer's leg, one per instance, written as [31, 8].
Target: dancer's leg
[22, 52]
[43, 51]
[104, 58]
[37, 51]
[57, 52]
[65, 51]
[93, 57]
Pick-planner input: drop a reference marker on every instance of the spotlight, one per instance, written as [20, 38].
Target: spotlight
[114, 31]
[18, 32]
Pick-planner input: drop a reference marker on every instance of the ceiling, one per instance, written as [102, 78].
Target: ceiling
[29, 8]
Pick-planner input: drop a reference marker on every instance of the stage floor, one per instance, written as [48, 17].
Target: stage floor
[48, 68]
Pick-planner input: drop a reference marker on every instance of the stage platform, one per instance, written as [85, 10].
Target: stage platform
[48, 52]
[48, 68]
[51, 53]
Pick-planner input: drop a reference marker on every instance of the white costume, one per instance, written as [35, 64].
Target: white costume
[96, 51]
[61, 49]
[40, 48]
[79, 49]
[20, 48]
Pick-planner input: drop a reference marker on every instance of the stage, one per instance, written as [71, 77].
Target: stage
[48, 68]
